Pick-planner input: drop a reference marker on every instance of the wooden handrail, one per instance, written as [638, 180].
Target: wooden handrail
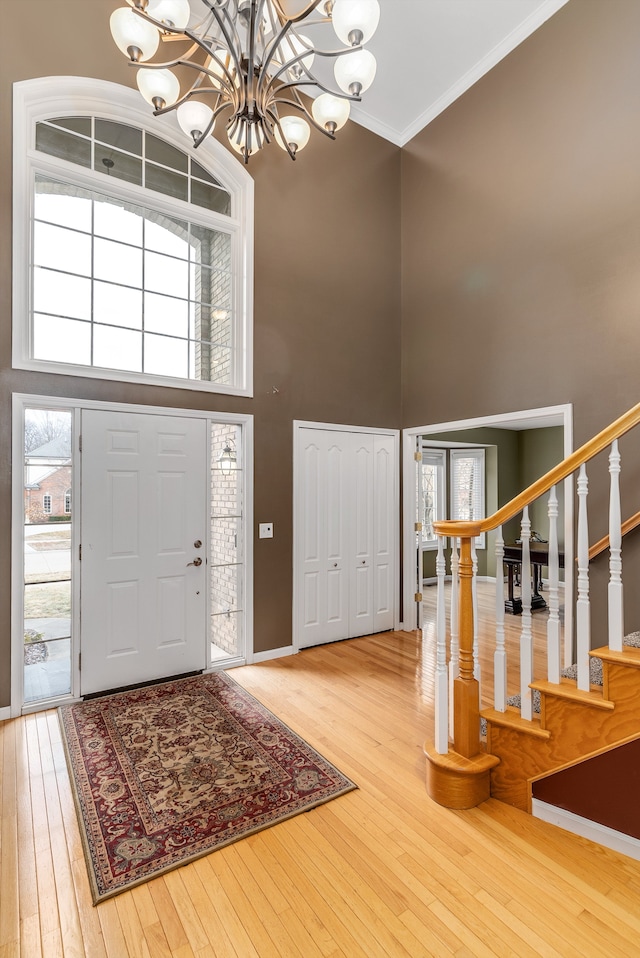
[456, 527]
[464, 781]
[632, 523]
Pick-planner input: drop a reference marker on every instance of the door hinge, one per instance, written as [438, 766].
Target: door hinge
[417, 456]
[418, 527]
[417, 597]
[79, 661]
[80, 442]
[80, 552]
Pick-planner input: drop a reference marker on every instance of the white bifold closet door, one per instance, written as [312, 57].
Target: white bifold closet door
[345, 535]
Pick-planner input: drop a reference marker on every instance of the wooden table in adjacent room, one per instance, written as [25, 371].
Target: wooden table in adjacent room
[539, 557]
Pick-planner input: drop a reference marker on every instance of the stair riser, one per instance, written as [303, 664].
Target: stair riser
[576, 730]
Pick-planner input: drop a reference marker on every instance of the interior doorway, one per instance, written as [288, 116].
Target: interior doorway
[473, 433]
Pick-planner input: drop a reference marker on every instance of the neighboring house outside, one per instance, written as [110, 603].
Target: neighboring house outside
[47, 489]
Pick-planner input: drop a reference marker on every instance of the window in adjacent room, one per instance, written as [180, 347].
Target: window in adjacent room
[467, 467]
[433, 505]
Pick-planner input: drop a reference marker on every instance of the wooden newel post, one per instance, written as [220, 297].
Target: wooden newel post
[466, 691]
[462, 778]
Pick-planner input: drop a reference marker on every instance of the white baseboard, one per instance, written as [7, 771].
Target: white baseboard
[272, 654]
[5, 713]
[595, 832]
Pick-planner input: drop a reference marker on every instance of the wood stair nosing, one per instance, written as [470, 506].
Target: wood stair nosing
[567, 690]
[512, 719]
[630, 656]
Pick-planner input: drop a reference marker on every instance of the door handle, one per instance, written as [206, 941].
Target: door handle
[197, 561]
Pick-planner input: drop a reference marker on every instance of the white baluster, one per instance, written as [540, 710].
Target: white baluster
[454, 657]
[616, 613]
[500, 654]
[442, 683]
[553, 622]
[474, 602]
[526, 638]
[583, 610]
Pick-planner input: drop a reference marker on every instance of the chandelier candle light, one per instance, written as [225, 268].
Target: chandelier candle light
[250, 61]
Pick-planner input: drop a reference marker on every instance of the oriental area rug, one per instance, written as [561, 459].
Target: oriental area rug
[167, 773]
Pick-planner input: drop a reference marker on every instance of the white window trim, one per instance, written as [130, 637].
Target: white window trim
[47, 97]
[470, 453]
[441, 503]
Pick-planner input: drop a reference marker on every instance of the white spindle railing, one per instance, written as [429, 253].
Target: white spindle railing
[553, 622]
[474, 599]
[583, 609]
[616, 615]
[444, 728]
[442, 681]
[454, 658]
[458, 687]
[526, 638]
[500, 654]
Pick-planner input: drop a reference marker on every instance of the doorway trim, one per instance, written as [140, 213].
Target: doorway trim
[561, 415]
[21, 401]
[299, 424]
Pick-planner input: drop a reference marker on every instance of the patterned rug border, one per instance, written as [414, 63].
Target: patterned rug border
[97, 895]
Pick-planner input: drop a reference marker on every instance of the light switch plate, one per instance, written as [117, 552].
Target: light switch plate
[266, 530]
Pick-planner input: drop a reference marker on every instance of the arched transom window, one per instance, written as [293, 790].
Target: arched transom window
[139, 252]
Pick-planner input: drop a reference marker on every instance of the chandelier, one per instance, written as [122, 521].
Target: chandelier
[250, 62]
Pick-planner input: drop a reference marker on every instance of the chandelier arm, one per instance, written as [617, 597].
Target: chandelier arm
[205, 133]
[276, 123]
[300, 16]
[275, 43]
[352, 98]
[299, 105]
[233, 40]
[198, 42]
[228, 87]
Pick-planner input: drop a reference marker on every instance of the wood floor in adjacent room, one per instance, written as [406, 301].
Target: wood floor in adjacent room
[382, 871]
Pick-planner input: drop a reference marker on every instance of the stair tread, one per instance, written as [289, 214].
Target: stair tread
[512, 719]
[629, 656]
[567, 690]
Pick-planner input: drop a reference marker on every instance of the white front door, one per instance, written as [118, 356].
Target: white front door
[142, 586]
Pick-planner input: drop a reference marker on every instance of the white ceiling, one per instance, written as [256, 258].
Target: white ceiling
[430, 51]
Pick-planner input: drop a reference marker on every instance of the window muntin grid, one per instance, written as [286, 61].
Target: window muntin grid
[133, 155]
[124, 287]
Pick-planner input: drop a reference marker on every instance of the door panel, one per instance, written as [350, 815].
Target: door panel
[323, 613]
[383, 524]
[144, 503]
[361, 502]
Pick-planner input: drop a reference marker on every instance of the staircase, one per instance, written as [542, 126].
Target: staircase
[576, 719]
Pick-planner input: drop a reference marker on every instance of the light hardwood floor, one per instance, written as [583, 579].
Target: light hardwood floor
[382, 871]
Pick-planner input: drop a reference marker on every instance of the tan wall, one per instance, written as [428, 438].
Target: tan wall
[521, 245]
[327, 307]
